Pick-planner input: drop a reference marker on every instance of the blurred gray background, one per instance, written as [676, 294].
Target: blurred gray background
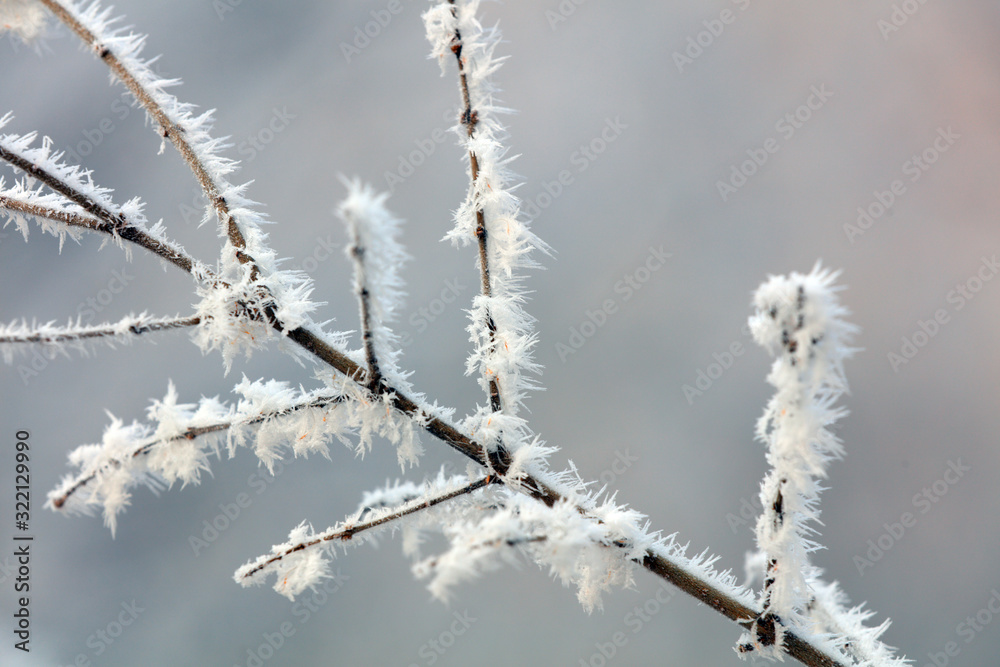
[683, 127]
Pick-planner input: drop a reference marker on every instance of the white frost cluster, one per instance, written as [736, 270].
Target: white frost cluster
[505, 354]
[77, 179]
[586, 541]
[800, 321]
[24, 18]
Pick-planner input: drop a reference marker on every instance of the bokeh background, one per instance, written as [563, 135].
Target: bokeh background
[682, 127]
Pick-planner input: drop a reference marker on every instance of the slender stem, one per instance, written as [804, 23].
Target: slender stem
[364, 304]
[349, 531]
[103, 331]
[470, 118]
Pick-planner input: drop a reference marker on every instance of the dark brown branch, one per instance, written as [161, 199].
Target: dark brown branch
[357, 251]
[103, 220]
[470, 118]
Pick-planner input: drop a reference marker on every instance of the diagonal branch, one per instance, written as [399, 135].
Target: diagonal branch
[59, 498]
[347, 530]
[100, 218]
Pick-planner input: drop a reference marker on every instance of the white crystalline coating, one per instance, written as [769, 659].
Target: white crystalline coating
[800, 321]
[503, 354]
[580, 535]
[405, 506]
[24, 18]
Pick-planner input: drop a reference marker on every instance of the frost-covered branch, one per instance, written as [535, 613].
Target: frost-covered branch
[800, 320]
[377, 256]
[177, 445]
[16, 335]
[175, 121]
[298, 563]
[519, 506]
[501, 331]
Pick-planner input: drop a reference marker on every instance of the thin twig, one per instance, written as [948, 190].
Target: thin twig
[116, 225]
[470, 118]
[348, 532]
[109, 330]
[191, 434]
[357, 252]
